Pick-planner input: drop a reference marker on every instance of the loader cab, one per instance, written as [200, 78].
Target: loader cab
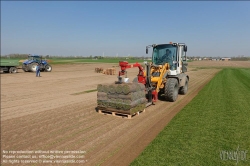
[173, 53]
[164, 53]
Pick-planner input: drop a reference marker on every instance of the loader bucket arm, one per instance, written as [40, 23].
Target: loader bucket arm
[125, 65]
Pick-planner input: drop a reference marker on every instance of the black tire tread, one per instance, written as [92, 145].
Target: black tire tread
[46, 69]
[184, 90]
[170, 89]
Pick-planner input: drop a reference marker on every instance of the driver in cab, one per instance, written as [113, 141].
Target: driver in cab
[167, 57]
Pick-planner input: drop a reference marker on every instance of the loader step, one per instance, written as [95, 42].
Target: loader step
[119, 114]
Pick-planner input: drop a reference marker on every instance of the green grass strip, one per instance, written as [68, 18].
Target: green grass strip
[215, 124]
[87, 91]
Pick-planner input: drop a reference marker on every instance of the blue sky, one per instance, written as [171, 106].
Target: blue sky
[86, 28]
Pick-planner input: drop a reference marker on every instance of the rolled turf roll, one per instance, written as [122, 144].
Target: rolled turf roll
[112, 89]
[119, 89]
[102, 96]
[143, 94]
[105, 103]
[112, 96]
[126, 101]
[129, 87]
[129, 96]
[125, 107]
[119, 103]
[139, 94]
[127, 104]
[142, 86]
[143, 100]
[100, 102]
[105, 88]
[113, 103]
[99, 88]
[138, 87]
[109, 104]
[135, 95]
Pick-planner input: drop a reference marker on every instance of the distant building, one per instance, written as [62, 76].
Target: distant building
[226, 59]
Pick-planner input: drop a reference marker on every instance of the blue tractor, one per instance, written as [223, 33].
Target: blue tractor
[30, 64]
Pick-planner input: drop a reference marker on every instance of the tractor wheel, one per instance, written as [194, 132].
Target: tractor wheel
[13, 70]
[32, 67]
[183, 90]
[171, 89]
[48, 68]
[24, 67]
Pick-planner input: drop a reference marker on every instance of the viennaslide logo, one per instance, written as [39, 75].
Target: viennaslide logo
[236, 155]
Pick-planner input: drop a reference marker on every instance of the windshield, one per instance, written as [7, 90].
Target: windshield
[34, 58]
[30, 58]
[164, 54]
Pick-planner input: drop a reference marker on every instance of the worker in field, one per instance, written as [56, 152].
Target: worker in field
[38, 70]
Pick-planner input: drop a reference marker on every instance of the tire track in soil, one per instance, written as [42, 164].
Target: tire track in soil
[91, 98]
[26, 136]
[50, 115]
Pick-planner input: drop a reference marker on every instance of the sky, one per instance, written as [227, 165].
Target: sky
[124, 28]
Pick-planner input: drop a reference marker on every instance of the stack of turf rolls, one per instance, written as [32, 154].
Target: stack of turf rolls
[127, 98]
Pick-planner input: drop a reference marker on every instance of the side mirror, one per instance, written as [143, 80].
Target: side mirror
[147, 50]
[185, 48]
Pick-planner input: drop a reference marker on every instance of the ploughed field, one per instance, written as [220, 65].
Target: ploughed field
[57, 112]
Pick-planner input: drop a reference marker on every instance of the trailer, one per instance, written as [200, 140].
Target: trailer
[9, 66]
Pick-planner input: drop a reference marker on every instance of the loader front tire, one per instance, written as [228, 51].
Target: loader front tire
[171, 89]
[183, 90]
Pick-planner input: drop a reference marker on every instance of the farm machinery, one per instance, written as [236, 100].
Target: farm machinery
[32, 61]
[164, 76]
[9, 66]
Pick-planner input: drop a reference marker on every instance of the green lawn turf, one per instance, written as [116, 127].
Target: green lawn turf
[215, 122]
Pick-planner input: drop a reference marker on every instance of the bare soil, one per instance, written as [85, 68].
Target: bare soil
[50, 113]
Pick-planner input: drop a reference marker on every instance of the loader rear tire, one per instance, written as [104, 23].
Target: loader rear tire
[183, 90]
[171, 89]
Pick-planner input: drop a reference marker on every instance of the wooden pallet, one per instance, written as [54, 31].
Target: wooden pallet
[119, 114]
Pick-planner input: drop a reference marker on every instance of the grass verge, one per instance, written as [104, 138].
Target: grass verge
[83, 92]
[213, 129]
[108, 60]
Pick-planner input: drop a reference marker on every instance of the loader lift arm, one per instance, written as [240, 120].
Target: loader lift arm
[124, 65]
[143, 78]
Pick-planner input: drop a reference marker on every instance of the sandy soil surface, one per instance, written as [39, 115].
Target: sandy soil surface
[49, 113]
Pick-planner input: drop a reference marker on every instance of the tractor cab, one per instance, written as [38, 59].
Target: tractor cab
[35, 58]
